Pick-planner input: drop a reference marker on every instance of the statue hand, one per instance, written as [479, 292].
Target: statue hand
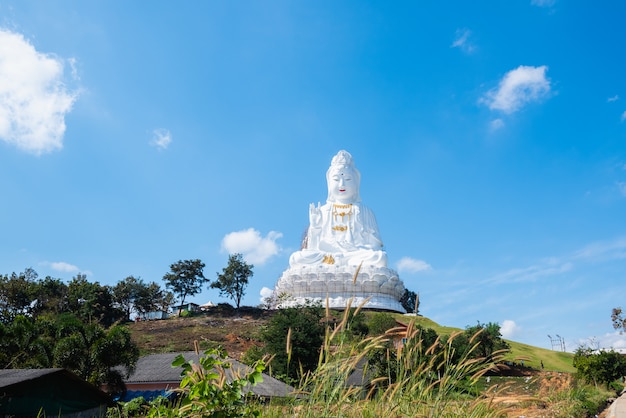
[315, 215]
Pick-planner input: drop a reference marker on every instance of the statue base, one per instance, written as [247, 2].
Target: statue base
[373, 288]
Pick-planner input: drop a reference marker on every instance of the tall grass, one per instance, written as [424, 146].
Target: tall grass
[418, 380]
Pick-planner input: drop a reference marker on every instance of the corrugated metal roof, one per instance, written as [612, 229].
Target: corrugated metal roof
[156, 368]
[10, 377]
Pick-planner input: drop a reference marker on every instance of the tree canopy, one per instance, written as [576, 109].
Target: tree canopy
[599, 367]
[302, 326]
[185, 278]
[619, 322]
[134, 295]
[233, 280]
[410, 301]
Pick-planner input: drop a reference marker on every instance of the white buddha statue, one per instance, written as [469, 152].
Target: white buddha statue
[342, 236]
[343, 232]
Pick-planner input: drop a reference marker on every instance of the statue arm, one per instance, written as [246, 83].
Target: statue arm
[315, 226]
[370, 227]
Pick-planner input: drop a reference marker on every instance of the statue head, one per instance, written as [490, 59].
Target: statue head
[343, 179]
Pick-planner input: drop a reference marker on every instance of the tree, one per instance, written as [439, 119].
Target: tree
[380, 322]
[599, 366]
[302, 325]
[87, 349]
[234, 278]
[152, 298]
[92, 301]
[619, 322]
[50, 297]
[410, 301]
[125, 293]
[92, 352]
[185, 278]
[16, 294]
[133, 295]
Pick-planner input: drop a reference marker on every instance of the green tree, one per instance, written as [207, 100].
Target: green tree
[302, 327]
[87, 349]
[488, 338]
[410, 301]
[185, 278]
[51, 297]
[234, 278]
[380, 322]
[152, 298]
[27, 343]
[16, 294]
[134, 295]
[125, 293]
[92, 301]
[92, 352]
[599, 367]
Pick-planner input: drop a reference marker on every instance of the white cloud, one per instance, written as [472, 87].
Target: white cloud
[509, 328]
[266, 293]
[548, 267]
[161, 138]
[609, 341]
[33, 96]
[496, 124]
[411, 265]
[602, 251]
[622, 188]
[462, 41]
[613, 99]
[254, 248]
[517, 88]
[543, 3]
[64, 267]
[623, 117]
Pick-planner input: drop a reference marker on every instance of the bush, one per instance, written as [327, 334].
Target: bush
[207, 393]
[381, 322]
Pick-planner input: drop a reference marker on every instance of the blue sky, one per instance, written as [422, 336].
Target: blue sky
[491, 138]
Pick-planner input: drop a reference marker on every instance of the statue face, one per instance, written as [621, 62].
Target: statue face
[342, 186]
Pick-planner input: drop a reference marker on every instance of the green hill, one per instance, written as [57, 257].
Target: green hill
[238, 331]
[530, 355]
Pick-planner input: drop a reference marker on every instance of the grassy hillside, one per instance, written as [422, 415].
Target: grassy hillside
[238, 331]
[530, 355]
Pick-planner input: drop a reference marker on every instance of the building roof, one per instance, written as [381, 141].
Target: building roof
[55, 392]
[9, 377]
[157, 368]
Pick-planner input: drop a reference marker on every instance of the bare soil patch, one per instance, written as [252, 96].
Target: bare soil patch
[236, 332]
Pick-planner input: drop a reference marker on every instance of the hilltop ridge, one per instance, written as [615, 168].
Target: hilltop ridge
[237, 331]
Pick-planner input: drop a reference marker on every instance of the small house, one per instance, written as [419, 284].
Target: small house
[51, 393]
[154, 376]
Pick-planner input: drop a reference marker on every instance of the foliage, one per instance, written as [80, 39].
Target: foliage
[486, 336]
[427, 382]
[25, 294]
[16, 294]
[88, 350]
[234, 278]
[50, 297]
[92, 302]
[208, 392]
[92, 352]
[599, 367]
[380, 322]
[185, 278]
[619, 322]
[410, 301]
[26, 343]
[293, 337]
[134, 295]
